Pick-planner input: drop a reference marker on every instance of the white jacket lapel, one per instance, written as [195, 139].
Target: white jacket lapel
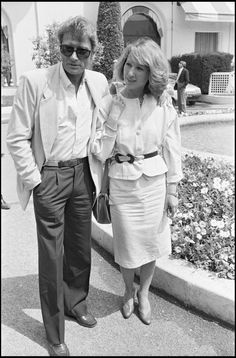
[48, 119]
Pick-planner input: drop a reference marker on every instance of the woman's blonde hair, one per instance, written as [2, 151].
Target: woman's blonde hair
[146, 52]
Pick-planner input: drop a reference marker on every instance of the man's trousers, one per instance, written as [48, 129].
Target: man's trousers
[62, 204]
[181, 99]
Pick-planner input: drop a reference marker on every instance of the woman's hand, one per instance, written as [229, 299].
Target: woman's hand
[171, 204]
[117, 106]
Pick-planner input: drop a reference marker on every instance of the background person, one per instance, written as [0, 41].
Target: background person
[138, 128]
[52, 123]
[182, 80]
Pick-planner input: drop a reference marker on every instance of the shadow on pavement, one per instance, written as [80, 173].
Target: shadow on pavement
[20, 295]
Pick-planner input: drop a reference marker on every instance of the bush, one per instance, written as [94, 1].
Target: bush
[203, 227]
[46, 50]
[110, 35]
[6, 65]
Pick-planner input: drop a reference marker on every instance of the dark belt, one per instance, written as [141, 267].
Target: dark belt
[65, 163]
[120, 158]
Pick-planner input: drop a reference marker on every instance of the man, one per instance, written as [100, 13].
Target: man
[181, 81]
[51, 127]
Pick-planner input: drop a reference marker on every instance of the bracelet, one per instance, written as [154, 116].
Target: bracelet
[174, 194]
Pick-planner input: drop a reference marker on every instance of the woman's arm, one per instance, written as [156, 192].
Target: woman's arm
[172, 157]
[106, 127]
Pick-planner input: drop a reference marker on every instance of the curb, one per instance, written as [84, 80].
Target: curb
[195, 288]
[207, 117]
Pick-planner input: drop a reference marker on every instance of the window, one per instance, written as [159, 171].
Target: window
[206, 42]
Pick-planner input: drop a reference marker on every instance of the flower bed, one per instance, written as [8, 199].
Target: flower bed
[203, 227]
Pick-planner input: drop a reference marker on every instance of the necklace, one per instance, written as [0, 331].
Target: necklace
[141, 101]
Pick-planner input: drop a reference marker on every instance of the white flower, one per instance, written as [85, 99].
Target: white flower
[199, 236]
[224, 184]
[174, 237]
[217, 180]
[203, 232]
[197, 228]
[202, 224]
[224, 233]
[213, 222]
[220, 224]
[230, 192]
[204, 190]
[187, 239]
[177, 249]
[217, 183]
[232, 230]
[187, 228]
[224, 257]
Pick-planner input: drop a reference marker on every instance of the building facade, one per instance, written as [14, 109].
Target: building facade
[178, 27]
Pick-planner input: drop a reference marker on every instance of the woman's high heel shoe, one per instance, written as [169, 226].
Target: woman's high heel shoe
[128, 307]
[144, 314]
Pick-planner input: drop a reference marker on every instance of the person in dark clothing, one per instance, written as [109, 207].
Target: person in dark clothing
[181, 82]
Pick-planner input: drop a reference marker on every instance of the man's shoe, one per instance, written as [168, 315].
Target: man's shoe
[58, 349]
[4, 205]
[86, 319]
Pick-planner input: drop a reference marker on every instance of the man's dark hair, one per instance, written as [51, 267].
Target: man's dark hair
[78, 26]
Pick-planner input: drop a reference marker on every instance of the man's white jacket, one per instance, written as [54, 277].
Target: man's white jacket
[33, 124]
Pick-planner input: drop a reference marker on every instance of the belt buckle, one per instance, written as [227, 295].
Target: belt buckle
[131, 160]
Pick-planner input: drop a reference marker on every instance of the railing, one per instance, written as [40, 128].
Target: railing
[221, 83]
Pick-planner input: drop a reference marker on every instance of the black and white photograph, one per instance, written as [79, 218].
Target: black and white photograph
[117, 178]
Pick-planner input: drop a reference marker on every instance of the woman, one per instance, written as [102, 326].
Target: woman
[139, 130]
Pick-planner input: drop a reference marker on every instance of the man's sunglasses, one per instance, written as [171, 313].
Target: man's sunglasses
[69, 50]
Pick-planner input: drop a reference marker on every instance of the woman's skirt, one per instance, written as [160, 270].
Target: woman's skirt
[141, 229]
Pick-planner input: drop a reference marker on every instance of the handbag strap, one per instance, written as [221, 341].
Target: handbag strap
[105, 179]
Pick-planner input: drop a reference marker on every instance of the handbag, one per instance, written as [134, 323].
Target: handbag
[101, 207]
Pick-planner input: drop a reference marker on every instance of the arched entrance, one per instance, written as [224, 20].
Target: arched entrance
[141, 21]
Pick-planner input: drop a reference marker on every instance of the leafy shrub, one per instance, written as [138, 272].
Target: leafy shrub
[6, 65]
[110, 35]
[46, 50]
[203, 227]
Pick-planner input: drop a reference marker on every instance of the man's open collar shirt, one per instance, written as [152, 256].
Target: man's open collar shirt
[74, 119]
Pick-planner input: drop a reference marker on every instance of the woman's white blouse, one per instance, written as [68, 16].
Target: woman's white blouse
[138, 131]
